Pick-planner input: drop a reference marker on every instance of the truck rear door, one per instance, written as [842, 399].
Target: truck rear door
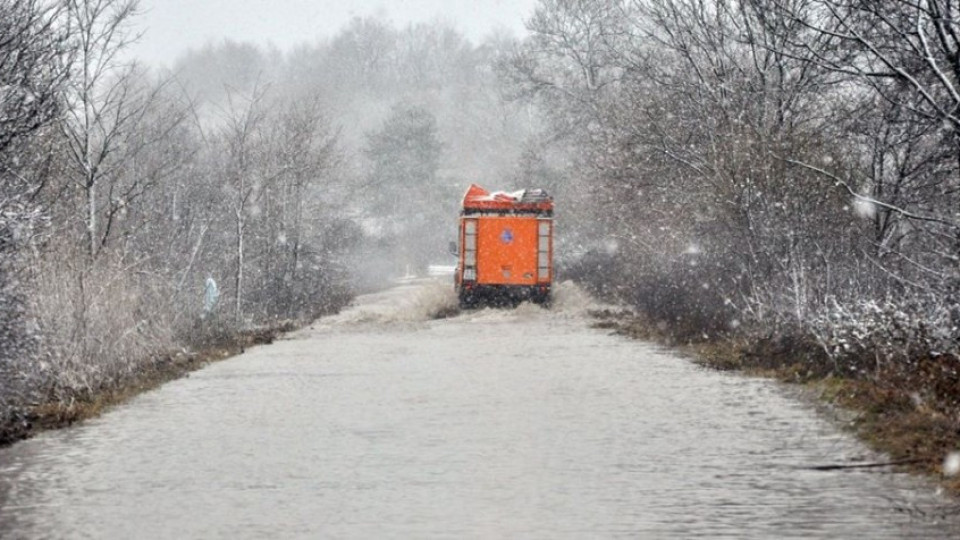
[507, 250]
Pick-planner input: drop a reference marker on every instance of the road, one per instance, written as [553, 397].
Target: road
[526, 423]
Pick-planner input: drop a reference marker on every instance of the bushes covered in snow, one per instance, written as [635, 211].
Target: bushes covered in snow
[890, 331]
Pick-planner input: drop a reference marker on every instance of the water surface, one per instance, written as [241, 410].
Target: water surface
[379, 423]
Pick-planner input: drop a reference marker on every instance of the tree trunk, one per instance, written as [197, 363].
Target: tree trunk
[239, 271]
[92, 216]
[298, 226]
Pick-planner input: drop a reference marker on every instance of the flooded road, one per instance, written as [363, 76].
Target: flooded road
[494, 424]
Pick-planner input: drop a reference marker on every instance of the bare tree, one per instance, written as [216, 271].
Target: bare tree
[308, 153]
[34, 59]
[904, 52]
[242, 139]
[296, 201]
[34, 55]
[108, 105]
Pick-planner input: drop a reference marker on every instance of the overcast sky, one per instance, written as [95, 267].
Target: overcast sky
[173, 26]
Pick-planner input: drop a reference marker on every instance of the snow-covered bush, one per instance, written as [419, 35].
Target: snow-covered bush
[100, 324]
[889, 330]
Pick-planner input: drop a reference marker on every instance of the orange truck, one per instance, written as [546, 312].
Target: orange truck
[506, 247]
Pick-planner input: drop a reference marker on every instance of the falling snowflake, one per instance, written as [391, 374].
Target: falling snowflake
[951, 464]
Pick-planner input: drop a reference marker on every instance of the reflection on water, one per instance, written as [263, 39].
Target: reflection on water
[492, 424]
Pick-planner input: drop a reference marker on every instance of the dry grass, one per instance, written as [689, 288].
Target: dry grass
[101, 323]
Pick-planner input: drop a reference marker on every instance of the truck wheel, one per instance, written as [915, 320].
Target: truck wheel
[467, 301]
[543, 300]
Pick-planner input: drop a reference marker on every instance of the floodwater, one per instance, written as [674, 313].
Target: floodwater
[381, 423]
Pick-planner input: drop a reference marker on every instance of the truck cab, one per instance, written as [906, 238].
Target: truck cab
[505, 248]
